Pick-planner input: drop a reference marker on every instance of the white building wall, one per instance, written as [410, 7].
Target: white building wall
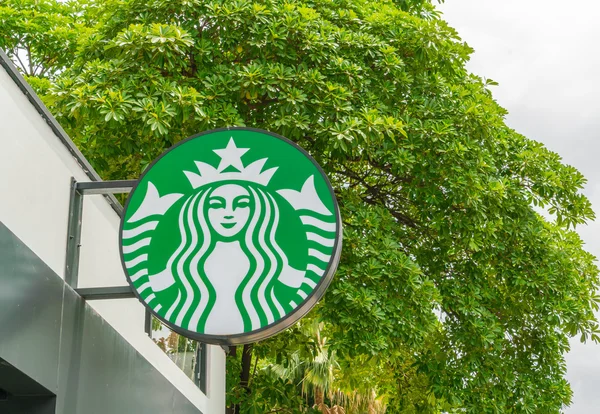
[35, 174]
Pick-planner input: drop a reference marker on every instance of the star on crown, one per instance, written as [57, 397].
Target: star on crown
[231, 156]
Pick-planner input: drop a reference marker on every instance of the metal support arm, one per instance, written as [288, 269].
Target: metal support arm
[78, 191]
[111, 292]
[105, 187]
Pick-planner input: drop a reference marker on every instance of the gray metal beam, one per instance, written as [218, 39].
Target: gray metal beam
[73, 235]
[110, 292]
[148, 323]
[105, 187]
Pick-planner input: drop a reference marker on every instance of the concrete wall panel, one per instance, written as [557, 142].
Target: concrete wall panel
[30, 311]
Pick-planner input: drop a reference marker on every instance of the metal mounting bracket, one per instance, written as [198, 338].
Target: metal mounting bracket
[78, 191]
[105, 187]
[112, 292]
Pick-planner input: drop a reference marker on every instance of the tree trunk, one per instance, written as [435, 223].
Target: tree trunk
[319, 398]
[245, 373]
[246, 364]
[232, 409]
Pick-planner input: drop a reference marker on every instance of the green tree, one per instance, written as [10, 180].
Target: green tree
[316, 373]
[453, 286]
[41, 36]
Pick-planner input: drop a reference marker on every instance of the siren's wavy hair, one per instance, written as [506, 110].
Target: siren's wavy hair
[254, 297]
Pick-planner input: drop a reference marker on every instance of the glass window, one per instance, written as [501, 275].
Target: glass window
[189, 355]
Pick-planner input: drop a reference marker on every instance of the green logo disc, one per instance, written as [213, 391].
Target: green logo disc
[231, 236]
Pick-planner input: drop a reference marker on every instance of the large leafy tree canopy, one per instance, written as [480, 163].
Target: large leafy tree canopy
[461, 278]
[41, 36]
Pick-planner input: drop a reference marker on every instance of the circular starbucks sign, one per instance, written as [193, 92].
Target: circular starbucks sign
[231, 235]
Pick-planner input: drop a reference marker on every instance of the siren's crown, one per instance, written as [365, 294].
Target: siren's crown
[230, 156]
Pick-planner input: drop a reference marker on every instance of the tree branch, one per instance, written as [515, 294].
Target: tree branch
[374, 196]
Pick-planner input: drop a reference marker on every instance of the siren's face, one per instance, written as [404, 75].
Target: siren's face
[228, 209]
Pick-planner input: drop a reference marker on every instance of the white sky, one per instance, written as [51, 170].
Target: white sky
[545, 56]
